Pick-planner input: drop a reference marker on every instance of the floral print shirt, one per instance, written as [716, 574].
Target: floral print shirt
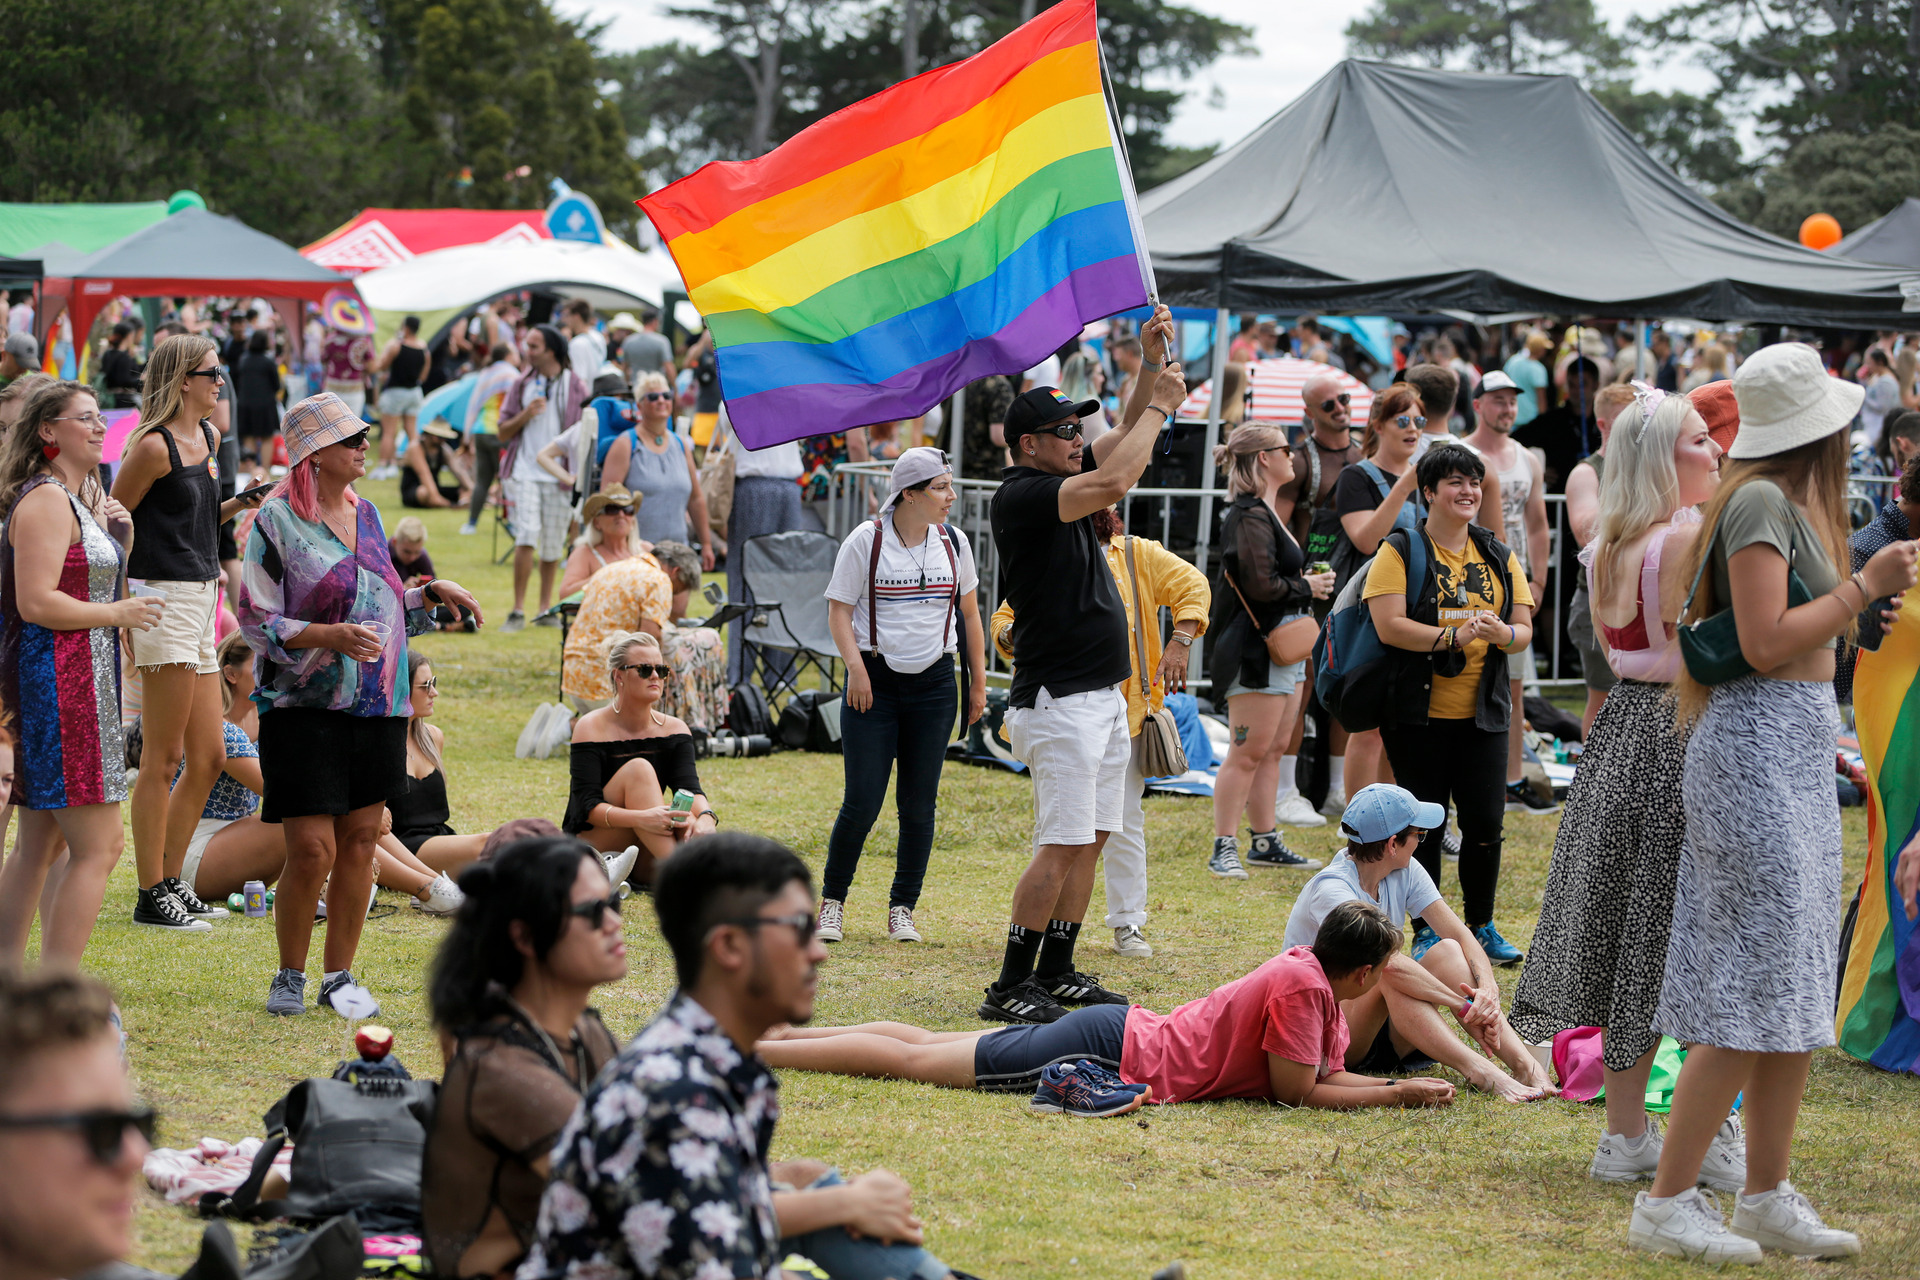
[618, 597]
[662, 1172]
[298, 572]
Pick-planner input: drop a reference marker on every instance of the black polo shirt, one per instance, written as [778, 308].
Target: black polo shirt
[1069, 628]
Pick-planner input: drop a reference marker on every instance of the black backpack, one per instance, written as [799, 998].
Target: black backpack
[811, 722]
[748, 712]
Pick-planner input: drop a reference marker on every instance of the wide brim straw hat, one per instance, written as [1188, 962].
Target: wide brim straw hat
[613, 496]
[317, 422]
[1788, 399]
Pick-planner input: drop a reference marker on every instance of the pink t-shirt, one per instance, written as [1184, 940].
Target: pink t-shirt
[1217, 1046]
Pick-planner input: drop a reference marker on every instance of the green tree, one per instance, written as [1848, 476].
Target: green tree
[1688, 134]
[1489, 35]
[1854, 177]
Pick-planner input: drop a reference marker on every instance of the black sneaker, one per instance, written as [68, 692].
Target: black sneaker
[190, 900]
[1073, 987]
[1024, 1001]
[157, 909]
[1521, 799]
[1270, 850]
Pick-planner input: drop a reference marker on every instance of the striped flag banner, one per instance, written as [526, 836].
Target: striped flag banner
[1276, 392]
[962, 223]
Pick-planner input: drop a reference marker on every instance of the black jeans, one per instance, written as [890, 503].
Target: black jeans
[911, 721]
[1454, 763]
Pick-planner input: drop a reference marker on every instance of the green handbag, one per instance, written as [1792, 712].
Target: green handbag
[1711, 646]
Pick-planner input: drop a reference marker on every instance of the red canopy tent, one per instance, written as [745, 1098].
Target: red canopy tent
[378, 238]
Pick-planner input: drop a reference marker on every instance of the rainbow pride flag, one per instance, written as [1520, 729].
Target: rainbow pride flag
[965, 222]
[1879, 1014]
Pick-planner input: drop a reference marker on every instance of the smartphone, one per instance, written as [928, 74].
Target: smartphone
[259, 489]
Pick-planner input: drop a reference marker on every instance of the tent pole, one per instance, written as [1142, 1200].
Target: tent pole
[1642, 339]
[956, 429]
[1213, 436]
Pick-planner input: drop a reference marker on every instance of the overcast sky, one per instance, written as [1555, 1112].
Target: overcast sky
[1297, 43]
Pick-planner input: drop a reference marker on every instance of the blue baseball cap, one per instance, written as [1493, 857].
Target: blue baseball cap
[1382, 811]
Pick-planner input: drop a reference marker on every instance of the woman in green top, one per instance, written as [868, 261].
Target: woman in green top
[1749, 979]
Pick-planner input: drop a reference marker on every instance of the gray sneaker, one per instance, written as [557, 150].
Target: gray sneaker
[516, 621]
[547, 620]
[1225, 861]
[287, 997]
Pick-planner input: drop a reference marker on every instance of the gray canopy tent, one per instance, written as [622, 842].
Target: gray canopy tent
[1893, 239]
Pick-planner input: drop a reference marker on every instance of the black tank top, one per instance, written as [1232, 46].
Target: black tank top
[408, 364]
[423, 807]
[176, 527]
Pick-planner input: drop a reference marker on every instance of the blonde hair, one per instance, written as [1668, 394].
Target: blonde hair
[621, 641]
[1713, 356]
[1640, 487]
[1614, 397]
[1233, 394]
[164, 388]
[417, 732]
[411, 529]
[653, 380]
[228, 654]
[1239, 457]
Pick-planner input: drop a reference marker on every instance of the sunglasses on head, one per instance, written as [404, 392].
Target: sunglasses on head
[1069, 430]
[358, 440]
[648, 669]
[103, 1132]
[802, 923]
[595, 911]
[1417, 421]
[658, 395]
[1343, 399]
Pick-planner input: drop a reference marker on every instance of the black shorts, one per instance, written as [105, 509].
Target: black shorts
[1010, 1061]
[315, 762]
[1382, 1060]
[418, 836]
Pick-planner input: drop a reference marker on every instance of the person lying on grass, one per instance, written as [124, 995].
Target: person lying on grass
[1276, 1033]
[1395, 1024]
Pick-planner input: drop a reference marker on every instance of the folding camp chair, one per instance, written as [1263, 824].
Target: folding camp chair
[786, 576]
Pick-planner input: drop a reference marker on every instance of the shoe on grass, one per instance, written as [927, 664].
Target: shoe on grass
[1498, 949]
[156, 908]
[1335, 805]
[1025, 1001]
[516, 621]
[1074, 987]
[1225, 861]
[547, 620]
[1269, 850]
[1725, 1166]
[1783, 1220]
[469, 528]
[1423, 939]
[620, 865]
[287, 996]
[443, 897]
[1687, 1226]
[1521, 799]
[190, 901]
[1295, 810]
[831, 924]
[1129, 941]
[1618, 1159]
[900, 924]
[348, 998]
[1066, 1089]
[1450, 845]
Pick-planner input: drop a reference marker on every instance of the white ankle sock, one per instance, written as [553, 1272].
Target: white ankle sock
[1289, 771]
[1337, 774]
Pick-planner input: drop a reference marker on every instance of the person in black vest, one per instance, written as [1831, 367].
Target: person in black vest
[1067, 714]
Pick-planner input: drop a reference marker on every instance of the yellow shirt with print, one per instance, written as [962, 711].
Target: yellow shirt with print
[1467, 585]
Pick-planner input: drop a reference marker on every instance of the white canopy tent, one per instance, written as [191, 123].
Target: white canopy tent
[438, 286]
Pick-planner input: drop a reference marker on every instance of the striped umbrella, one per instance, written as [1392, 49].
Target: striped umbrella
[1276, 392]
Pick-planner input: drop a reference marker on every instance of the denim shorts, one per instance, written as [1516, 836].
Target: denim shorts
[1281, 681]
[1010, 1061]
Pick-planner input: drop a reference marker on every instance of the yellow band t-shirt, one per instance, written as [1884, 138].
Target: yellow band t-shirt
[1467, 586]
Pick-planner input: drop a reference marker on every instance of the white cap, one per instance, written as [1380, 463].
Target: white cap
[1495, 381]
[911, 468]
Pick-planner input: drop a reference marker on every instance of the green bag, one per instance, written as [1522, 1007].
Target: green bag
[1711, 646]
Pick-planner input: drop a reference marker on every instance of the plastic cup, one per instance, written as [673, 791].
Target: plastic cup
[381, 632]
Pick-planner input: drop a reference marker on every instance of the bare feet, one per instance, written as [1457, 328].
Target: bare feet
[1490, 1079]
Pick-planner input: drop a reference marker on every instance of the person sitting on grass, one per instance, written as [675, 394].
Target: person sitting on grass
[434, 446]
[632, 594]
[407, 548]
[663, 1171]
[606, 537]
[1396, 1026]
[1277, 1033]
[627, 760]
[420, 816]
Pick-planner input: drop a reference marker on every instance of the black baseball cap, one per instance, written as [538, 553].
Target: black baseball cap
[1041, 407]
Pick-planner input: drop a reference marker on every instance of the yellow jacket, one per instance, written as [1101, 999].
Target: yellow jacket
[1165, 579]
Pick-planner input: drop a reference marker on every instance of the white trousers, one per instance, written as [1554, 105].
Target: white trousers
[1126, 858]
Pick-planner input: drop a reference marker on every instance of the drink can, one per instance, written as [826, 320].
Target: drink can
[236, 902]
[1320, 566]
[255, 894]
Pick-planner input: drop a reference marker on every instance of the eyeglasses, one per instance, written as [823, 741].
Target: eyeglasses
[658, 395]
[1063, 430]
[1404, 421]
[431, 684]
[647, 669]
[104, 1132]
[91, 419]
[802, 923]
[595, 912]
[1343, 399]
[213, 373]
[358, 440]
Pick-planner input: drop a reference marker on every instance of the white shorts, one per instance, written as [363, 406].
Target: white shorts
[539, 514]
[355, 395]
[203, 831]
[1077, 748]
[184, 634]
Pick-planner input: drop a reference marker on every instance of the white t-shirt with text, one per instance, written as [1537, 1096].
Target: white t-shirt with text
[918, 612]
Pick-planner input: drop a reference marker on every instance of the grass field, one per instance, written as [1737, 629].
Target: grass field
[1235, 1189]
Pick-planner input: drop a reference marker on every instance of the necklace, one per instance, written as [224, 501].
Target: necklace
[925, 539]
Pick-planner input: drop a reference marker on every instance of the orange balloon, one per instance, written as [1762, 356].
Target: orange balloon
[1820, 231]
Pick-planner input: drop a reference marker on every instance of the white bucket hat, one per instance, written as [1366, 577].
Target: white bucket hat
[1787, 399]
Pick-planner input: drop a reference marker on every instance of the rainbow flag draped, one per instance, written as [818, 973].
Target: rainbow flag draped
[1879, 1015]
[962, 223]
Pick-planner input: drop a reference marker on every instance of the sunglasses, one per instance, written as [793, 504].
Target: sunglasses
[658, 395]
[1418, 421]
[802, 923]
[1064, 430]
[358, 440]
[647, 669]
[431, 684]
[611, 510]
[1343, 399]
[104, 1132]
[595, 912]
[213, 374]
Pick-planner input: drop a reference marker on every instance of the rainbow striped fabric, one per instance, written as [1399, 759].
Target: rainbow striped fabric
[1879, 1015]
[962, 223]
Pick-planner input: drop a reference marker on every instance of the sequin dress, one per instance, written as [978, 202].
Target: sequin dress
[64, 686]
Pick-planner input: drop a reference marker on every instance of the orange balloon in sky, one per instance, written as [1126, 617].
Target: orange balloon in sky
[1820, 231]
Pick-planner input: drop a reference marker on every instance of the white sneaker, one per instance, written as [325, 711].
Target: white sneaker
[530, 736]
[1335, 805]
[832, 918]
[443, 897]
[1296, 811]
[1782, 1219]
[1725, 1167]
[555, 733]
[620, 864]
[900, 924]
[1129, 941]
[469, 528]
[1687, 1226]
[1619, 1159]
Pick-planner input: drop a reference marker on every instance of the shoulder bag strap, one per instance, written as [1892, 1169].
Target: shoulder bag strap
[953, 598]
[1706, 558]
[1243, 601]
[1140, 622]
[873, 576]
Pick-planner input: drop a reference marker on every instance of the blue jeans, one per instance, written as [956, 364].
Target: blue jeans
[911, 721]
[844, 1258]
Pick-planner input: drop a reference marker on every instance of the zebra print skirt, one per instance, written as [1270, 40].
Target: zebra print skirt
[1756, 912]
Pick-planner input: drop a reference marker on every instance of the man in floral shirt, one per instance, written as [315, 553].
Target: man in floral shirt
[662, 1172]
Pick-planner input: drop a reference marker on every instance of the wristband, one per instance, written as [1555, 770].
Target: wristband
[1162, 412]
[427, 592]
[1512, 636]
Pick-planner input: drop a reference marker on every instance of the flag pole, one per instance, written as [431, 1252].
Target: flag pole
[1126, 172]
